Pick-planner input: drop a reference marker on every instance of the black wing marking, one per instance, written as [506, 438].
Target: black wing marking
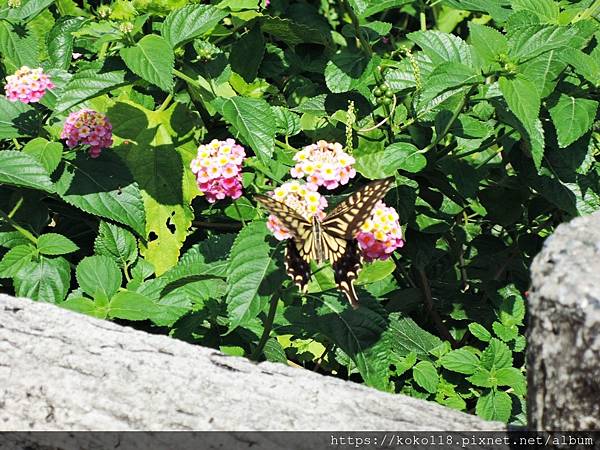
[346, 269]
[346, 218]
[297, 225]
[297, 267]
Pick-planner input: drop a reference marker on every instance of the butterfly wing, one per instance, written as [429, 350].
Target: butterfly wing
[296, 266]
[346, 218]
[346, 269]
[297, 225]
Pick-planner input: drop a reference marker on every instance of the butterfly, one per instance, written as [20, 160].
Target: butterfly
[332, 238]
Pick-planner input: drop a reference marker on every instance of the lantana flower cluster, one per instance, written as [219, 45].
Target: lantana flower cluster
[27, 85]
[218, 167]
[88, 127]
[324, 164]
[303, 198]
[381, 234]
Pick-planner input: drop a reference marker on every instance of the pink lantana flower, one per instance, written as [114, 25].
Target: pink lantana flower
[88, 127]
[218, 169]
[324, 164]
[381, 233]
[27, 85]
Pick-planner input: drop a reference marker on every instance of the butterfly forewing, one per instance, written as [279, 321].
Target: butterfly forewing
[297, 225]
[346, 218]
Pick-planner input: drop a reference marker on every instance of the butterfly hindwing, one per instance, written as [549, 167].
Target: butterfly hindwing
[346, 269]
[297, 267]
[346, 218]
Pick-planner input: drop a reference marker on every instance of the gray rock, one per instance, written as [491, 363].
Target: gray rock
[563, 355]
[64, 371]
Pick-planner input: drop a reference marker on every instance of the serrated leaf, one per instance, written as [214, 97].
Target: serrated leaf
[494, 405]
[47, 279]
[249, 264]
[17, 119]
[15, 259]
[191, 21]
[28, 9]
[488, 42]
[287, 122]
[98, 274]
[274, 351]
[461, 361]
[482, 378]
[131, 306]
[524, 102]
[513, 377]
[152, 59]
[528, 42]
[103, 186]
[247, 54]
[442, 47]
[505, 332]
[380, 163]
[347, 70]
[82, 305]
[543, 71]
[47, 153]
[584, 64]
[446, 76]
[90, 81]
[426, 376]
[21, 169]
[18, 44]
[116, 243]
[546, 10]
[292, 33]
[479, 332]
[254, 122]
[60, 41]
[572, 117]
[55, 244]
[496, 356]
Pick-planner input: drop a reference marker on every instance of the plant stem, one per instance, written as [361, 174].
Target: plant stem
[364, 44]
[437, 320]
[268, 326]
[27, 234]
[165, 104]
[185, 78]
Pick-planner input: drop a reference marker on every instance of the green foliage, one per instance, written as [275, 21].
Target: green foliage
[485, 112]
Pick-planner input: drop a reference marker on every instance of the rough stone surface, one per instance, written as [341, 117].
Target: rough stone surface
[563, 355]
[63, 371]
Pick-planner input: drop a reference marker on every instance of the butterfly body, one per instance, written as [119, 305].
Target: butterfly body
[330, 239]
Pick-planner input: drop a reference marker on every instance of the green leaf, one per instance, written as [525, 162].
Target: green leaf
[60, 41]
[55, 244]
[206, 258]
[584, 64]
[479, 332]
[513, 377]
[116, 243]
[131, 306]
[426, 376]
[445, 77]
[152, 59]
[29, 9]
[191, 21]
[572, 117]
[489, 43]
[241, 209]
[247, 54]
[505, 332]
[292, 33]
[347, 70]
[366, 8]
[442, 47]
[482, 378]
[543, 71]
[21, 169]
[15, 259]
[47, 153]
[375, 271]
[103, 186]
[494, 405]
[493, 8]
[47, 279]
[17, 119]
[81, 305]
[530, 41]
[274, 352]
[524, 102]
[254, 122]
[250, 262]
[497, 355]
[376, 163]
[98, 274]
[461, 361]
[546, 10]
[18, 44]
[90, 81]
[287, 122]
